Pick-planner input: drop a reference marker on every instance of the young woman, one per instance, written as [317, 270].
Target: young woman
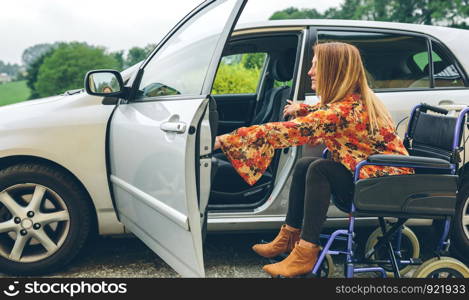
[350, 120]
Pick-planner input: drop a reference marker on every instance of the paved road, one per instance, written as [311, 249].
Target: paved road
[227, 255]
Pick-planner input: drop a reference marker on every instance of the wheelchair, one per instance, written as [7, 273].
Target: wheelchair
[433, 139]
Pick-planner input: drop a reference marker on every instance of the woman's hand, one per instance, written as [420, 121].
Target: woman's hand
[217, 144]
[291, 108]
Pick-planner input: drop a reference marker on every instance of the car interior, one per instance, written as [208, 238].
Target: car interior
[265, 104]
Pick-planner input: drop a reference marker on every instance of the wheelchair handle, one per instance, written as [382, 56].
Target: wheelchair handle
[424, 107]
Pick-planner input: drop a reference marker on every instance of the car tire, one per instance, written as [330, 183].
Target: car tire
[460, 226]
[63, 212]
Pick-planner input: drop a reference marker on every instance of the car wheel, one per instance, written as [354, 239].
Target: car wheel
[460, 231]
[45, 218]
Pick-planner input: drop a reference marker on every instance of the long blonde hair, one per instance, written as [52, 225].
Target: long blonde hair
[340, 72]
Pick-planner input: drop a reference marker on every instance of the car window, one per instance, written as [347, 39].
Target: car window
[391, 60]
[239, 73]
[444, 69]
[181, 64]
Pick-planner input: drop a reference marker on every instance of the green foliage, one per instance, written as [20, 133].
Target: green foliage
[32, 72]
[65, 68]
[236, 79]
[253, 60]
[33, 53]
[430, 12]
[295, 13]
[13, 92]
[137, 54]
[119, 56]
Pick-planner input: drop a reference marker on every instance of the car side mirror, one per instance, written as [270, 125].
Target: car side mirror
[106, 83]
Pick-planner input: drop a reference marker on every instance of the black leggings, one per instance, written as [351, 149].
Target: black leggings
[314, 179]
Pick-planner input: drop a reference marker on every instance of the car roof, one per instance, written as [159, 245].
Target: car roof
[457, 40]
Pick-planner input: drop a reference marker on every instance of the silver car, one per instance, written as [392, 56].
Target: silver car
[139, 158]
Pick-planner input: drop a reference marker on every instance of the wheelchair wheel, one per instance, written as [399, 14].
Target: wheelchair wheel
[327, 267]
[410, 248]
[443, 267]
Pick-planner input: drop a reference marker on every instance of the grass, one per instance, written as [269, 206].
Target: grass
[13, 92]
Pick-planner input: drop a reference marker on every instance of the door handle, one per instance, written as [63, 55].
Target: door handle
[178, 127]
[452, 107]
[445, 102]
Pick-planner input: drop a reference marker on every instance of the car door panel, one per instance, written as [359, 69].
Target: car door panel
[234, 111]
[160, 141]
[155, 196]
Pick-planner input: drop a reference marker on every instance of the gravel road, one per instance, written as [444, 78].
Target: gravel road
[226, 255]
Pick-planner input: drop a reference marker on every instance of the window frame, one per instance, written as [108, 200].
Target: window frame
[453, 59]
[429, 38]
[212, 67]
[299, 32]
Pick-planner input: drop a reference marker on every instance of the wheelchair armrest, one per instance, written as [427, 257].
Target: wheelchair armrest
[412, 161]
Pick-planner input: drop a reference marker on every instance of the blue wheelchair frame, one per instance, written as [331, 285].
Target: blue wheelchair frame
[347, 235]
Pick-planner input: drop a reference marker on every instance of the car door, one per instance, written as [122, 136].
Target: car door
[160, 139]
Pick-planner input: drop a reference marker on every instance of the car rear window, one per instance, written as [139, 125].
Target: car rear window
[391, 60]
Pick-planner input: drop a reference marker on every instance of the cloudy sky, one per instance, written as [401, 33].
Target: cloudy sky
[114, 24]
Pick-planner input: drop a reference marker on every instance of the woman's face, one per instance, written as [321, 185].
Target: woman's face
[312, 73]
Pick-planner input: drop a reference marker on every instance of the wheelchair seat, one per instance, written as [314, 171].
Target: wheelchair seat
[433, 141]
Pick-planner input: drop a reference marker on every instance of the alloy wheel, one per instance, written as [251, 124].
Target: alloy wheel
[34, 222]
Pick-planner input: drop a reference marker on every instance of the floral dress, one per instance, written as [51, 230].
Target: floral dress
[343, 126]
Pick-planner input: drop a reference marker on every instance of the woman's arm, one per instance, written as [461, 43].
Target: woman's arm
[296, 109]
[250, 149]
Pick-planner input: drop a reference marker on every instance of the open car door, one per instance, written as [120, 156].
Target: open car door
[160, 138]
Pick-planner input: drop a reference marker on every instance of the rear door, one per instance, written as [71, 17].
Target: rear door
[160, 139]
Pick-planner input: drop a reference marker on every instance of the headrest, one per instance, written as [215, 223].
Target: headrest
[283, 65]
[438, 67]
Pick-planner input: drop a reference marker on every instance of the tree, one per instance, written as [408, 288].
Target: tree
[295, 13]
[253, 60]
[66, 66]
[137, 54]
[31, 54]
[430, 12]
[32, 72]
[119, 56]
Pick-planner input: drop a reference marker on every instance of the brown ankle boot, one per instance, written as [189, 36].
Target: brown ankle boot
[300, 261]
[283, 242]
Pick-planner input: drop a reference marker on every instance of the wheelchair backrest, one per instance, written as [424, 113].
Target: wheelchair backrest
[433, 134]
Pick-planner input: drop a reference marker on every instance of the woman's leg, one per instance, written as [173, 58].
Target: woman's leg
[290, 233]
[297, 192]
[323, 178]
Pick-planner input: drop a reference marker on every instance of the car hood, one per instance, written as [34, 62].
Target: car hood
[53, 111]
[29, 103]
[73, 108]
